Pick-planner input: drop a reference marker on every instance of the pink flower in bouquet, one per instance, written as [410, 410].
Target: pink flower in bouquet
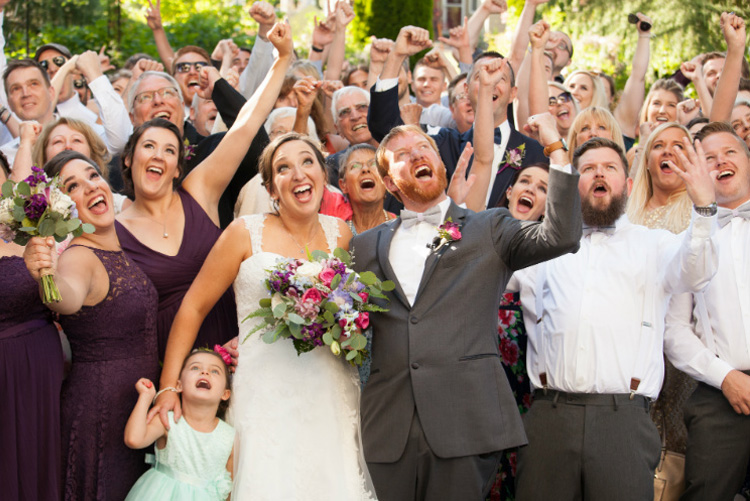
[362, 320]
[342, 322]
[225, 356]
[454, 233]
[312, 295]
[326, 276]
[364, 296]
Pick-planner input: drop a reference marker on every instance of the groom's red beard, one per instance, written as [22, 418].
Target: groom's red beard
[416, 193]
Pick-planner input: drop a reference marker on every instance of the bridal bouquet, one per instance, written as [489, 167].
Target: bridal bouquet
[37, 207]
[320, 302]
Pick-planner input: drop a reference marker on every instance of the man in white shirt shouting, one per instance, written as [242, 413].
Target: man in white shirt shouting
[595, 355]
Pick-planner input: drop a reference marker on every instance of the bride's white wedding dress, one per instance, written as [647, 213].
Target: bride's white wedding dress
[296, 417]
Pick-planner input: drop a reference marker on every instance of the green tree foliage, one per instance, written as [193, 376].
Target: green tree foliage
[603, 39]
[120, 25]
[384, 18]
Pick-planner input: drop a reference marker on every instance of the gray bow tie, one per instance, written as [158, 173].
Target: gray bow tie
[432, 215]
[607, 230]
[726, 215]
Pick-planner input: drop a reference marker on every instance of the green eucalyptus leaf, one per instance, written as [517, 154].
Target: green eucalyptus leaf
[328, 338]
[7, 190]
[332, 307]
[335, 282]
[23, 189]
[265, 302]
[387, 285]
[368, 278]
[88, 228]
[351, 355]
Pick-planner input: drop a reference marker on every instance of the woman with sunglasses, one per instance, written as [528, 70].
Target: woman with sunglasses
[562, 106]
[360, 182]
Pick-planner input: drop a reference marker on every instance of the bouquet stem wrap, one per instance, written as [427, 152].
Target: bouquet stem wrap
[50, 293]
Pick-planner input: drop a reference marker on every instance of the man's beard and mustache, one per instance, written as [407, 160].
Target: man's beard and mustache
[603, 216]
[416, 193]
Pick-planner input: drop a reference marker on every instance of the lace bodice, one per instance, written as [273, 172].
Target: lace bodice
[291, 412]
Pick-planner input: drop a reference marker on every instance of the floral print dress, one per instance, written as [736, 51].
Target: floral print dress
[513, 341]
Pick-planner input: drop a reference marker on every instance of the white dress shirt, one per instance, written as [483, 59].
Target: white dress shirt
[409, 251]
[718, 340]
[115, 117]
[499, 154]
[592, 337]
[258, 66]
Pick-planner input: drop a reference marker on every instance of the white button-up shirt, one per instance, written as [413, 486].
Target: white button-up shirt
[592, 337]
[719, 340]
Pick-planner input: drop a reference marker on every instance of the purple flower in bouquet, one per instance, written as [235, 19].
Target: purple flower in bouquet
[313, 333]
[37, 176]
[342, 298]
[36, 206]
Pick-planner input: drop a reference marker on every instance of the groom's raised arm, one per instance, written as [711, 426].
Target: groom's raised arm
[523, 244]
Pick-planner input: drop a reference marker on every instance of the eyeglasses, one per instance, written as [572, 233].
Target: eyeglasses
[185, 67]
[460, 97]
[563, 98]
[148, 96]
[58, 60]
[372, 164]
[346, 112]
[633, 19]
[80, 83]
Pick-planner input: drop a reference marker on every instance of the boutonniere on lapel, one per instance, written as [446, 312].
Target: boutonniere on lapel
[514, 158]
[447, 232]
[189, 150]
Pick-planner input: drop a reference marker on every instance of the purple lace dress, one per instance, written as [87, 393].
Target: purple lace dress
[31, 371]
[113, 344]
[173, 275]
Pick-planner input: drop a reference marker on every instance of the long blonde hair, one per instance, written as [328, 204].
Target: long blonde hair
[676, 216]
[599, 97]
[599, 114]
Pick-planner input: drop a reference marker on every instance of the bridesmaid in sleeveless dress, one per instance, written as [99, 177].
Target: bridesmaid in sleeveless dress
[31, 371]
[108, 311]
[171, 226]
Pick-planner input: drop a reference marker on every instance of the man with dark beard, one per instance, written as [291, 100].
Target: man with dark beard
[595, 323]
[437, 410]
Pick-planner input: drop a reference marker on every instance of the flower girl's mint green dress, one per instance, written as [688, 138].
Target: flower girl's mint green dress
[192, 467]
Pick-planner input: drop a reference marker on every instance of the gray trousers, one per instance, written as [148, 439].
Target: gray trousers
[718, 446]
[420, 475]
[588, 447]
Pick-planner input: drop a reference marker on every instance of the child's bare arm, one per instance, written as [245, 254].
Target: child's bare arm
[138, 432]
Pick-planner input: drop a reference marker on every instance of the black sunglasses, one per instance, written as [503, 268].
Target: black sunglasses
[80, 83]
[633, 19]
[563, 98]
[58, 60]
[185, 67]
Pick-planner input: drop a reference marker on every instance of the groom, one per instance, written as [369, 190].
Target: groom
[437, 410]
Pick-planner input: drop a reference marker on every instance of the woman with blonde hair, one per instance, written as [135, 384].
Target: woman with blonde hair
[587, 88]
[658, 198]
[594, 121]
[661, 102]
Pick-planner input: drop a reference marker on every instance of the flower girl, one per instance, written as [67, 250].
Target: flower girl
[193, 456]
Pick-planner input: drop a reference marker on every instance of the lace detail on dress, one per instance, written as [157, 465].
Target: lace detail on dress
[254, 224]
[331, 229]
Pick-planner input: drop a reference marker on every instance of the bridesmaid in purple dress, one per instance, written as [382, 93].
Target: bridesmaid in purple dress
[108, 311]
[169, 231]
[31, 371]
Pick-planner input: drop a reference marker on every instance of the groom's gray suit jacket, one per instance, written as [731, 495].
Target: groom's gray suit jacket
[440, 356]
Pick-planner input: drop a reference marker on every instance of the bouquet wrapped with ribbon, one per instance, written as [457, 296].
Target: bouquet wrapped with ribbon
[320, 302]
[35, 207]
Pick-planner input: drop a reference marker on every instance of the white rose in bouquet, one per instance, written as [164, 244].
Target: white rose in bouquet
[6, 211]
[61, 203]
[310, 270]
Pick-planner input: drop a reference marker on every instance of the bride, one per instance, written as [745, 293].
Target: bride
[296, 417]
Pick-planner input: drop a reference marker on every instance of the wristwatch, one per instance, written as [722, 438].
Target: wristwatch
[707, 211]
[560, 143]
